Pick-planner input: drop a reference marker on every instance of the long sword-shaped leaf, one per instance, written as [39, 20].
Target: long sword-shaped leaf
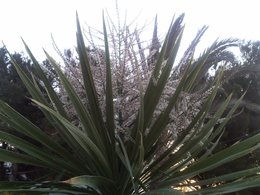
[136, 152]
[226, 177]
[158, 81]
[109, 105]
[53, 96]
[197, 136]
[235, 186]
[100, 184]
[162, 120]
[164, 192]
[189, 148]
[90, 147]
[83, 114]
[185, 151]
[198, 68]
[23, 125]
[52, 160]
[236, 151]
[28, 83]
[26, 127]
[14, 157]
[180, 139]
[90, 86]
[37, 95]
[200, 117]
[128, 164]
[109, 92]
[205, 142]
[37, 188]
[65, 136]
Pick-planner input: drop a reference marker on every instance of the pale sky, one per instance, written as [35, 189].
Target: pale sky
[35, 20]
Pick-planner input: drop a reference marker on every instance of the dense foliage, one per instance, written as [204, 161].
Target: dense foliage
[242, 76]
[93, 157]
[14, 92]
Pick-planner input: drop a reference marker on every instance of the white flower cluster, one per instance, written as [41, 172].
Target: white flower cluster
[132, 67]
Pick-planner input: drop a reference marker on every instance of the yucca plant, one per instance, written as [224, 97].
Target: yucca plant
[93, 159]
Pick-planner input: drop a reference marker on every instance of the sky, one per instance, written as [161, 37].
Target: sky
[36, 20]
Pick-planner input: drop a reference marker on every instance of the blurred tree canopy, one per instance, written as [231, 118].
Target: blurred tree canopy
[250, 52]
[14, 92]
[240, 76]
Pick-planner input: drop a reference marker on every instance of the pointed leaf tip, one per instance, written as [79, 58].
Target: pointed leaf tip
[77, 15]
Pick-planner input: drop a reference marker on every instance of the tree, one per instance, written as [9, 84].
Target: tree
[250, 52]
[95, 159]
[126, 52]
[14, 92]
[12, 89]
[241, 76]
